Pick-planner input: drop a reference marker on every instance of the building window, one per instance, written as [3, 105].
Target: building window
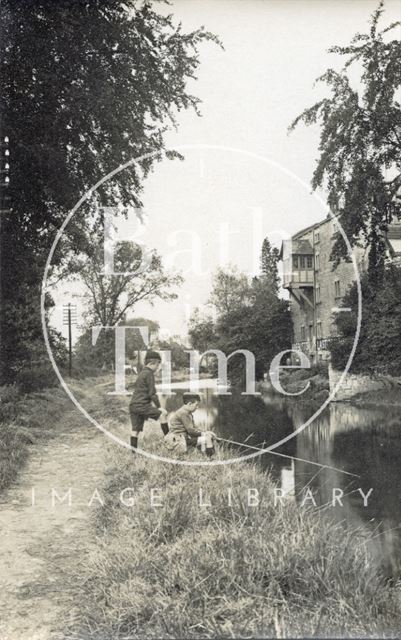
[317, 295]
[319, 329]
[311, 333]
[317, 261]
[295, 262]
[303, 333]
[310, 262]
[317, 236]
[302, 262]
[337, 290]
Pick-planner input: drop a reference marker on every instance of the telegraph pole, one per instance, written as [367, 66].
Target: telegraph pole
[69, 318]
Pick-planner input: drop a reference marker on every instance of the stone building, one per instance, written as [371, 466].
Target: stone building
[315, 289]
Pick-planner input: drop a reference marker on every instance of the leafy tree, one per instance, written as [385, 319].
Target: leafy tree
[360, 140]
[230, 289]
[255, 318]
[95, 358]
[264, 328]
[202, 332]
[111, 297]
[152, 326]
[379, 346]
[268, 265]
[87, 85]
[134, 342]
[179, 357]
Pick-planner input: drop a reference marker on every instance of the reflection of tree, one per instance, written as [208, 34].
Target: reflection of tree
[248, 418]
[241, 418]
[374, 454]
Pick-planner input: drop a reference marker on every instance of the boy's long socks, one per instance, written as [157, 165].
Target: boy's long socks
[134, 442]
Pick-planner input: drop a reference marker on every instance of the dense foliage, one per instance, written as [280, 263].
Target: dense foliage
[230, 289]
[262, 326]
[250, 315]
[202, 332]
[110, 298]
[360, 140]
[86, 86]
[268, 264]
[379, 346]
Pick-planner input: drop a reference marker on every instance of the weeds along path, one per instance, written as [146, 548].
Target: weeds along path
[40, 541]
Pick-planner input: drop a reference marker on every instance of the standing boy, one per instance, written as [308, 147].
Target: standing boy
[145, 403]
[182, 430]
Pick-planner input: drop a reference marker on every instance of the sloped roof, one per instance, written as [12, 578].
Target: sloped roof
[302, 247]
[316, 225]
[296, 246]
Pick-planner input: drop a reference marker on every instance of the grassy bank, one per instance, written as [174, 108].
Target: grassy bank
[25, 419]
[185, 571]
[309, 385]
[387, 397]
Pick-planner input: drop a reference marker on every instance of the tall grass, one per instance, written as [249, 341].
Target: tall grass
[24, 420]
[223, 571]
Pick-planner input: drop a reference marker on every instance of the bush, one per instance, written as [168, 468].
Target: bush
[379, 346]
[32, 379]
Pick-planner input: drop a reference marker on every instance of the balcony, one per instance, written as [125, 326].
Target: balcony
[298, 279]
[298, 264]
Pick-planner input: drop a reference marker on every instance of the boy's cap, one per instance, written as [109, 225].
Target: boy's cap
[152, 355]
[191, 397]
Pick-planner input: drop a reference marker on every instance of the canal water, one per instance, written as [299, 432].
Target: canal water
[361, 441]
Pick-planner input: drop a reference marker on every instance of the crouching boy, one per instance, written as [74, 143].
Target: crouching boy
[145, 403]
[182, 430]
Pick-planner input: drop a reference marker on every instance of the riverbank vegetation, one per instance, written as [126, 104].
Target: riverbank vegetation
[379, 347]
[26, 419]
[182, 570]
[248, 315]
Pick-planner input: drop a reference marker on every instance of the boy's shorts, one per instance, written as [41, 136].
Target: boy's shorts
[138, 415]
[179, 442]
[176, 442]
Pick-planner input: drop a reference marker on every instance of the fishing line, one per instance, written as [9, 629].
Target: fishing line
[283, 455]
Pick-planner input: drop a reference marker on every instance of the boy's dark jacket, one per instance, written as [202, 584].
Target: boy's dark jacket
[144, 390]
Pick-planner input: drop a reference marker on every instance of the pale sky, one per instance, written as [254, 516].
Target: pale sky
[243, 176]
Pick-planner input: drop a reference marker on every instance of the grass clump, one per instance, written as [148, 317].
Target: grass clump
[226, 570]
[24, 420]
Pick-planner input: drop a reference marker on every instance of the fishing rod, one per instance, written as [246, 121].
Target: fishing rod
[283, 455]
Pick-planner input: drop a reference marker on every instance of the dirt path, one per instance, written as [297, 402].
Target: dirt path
[39, 542]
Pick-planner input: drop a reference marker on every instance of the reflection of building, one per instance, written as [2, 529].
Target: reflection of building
[316, 290]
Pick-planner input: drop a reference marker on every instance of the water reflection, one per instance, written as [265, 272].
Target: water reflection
[360, 441]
